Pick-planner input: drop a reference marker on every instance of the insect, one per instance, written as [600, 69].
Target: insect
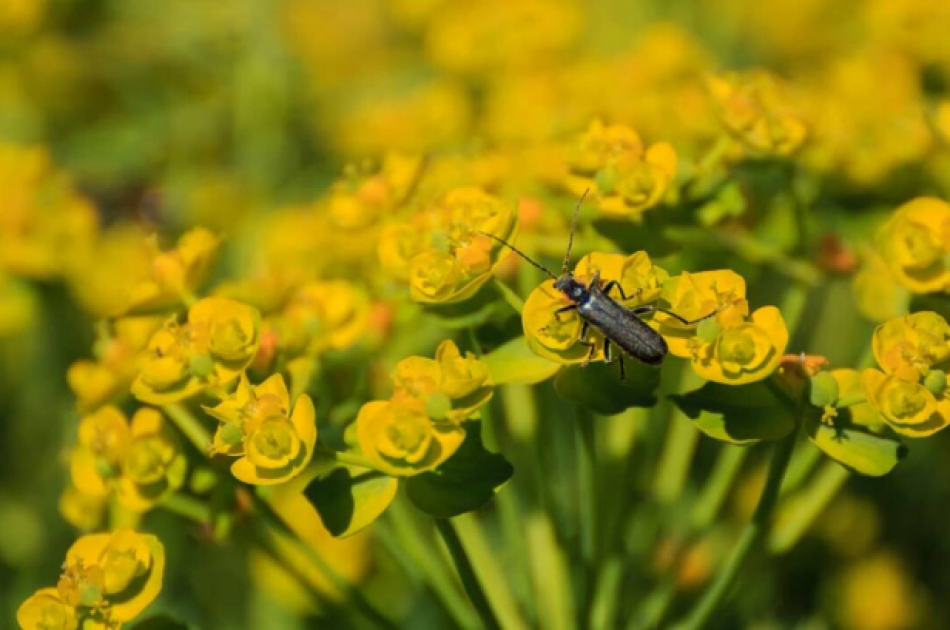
[620, 326]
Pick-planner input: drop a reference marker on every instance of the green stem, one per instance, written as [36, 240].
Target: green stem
[187, 507]
[342, 457]
[434, 572]
[677, 457]
[716, 594]
[717, 487]
[512, 298]
[467, 574]
[808, 506]
[586, 485]
[186, 421]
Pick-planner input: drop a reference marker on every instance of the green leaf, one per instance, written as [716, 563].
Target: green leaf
[599, 388]
[464, 482]
[860, 451]
[738, 414]
[514, 362]
[160, 622]
[348, 502]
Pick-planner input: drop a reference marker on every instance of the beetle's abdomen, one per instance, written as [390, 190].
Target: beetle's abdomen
[624, 329]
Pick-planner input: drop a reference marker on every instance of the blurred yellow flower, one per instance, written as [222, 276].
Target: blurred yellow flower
[175, 274]
[915, 242]
[496, 35]
[273, 443]
[443, 250]
[141, 463]
[755, 110]
[878, 593]
[624, 177]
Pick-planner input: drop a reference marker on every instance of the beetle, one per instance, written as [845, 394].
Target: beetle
[620, 326]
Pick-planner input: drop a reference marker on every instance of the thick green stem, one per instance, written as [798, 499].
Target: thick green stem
[716, 594]
[467, 574]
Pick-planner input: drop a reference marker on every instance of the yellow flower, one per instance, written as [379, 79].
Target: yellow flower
[624, 177]
[906, 405]
[273, 442]
[912, 344]
[743, 353]
[557, 337]
[175, 274]
[398, 244]
[696, 295]
[82, 511]
[458, 257]
[361, 198]
[465, 377]
[491, 36]
[401, 440]
[754, 110]
[142, 463]
[104, 438]
[119, 573]
[321, 316]
[111, 373]
[211, 350]
[44, 610]
[915, 242]
[229, 330]
[46, 227]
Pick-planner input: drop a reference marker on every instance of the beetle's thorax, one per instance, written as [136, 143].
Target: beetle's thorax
[572, 289]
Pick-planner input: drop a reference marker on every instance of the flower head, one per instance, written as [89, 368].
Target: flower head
[107, 580]
[272, 441]
[624, 177]
[915, 243]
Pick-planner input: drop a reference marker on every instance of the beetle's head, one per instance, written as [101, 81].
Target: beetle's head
[570, 287]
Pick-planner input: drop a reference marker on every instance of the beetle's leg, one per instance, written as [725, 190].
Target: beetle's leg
[564, 309]
[615, 284]
[649, 308]
[587, 342]
[609, 359]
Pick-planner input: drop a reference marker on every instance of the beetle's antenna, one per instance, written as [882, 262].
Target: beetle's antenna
[570, 239]
[520, 253]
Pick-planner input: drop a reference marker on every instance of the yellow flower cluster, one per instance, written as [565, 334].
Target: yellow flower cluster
[754, 110]
[444, 251]
[107, 580]
[272, 441]
[909, 391]
[727, 346]
[419, 427]
[624, 177]
[140, 462]
[211, 349]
